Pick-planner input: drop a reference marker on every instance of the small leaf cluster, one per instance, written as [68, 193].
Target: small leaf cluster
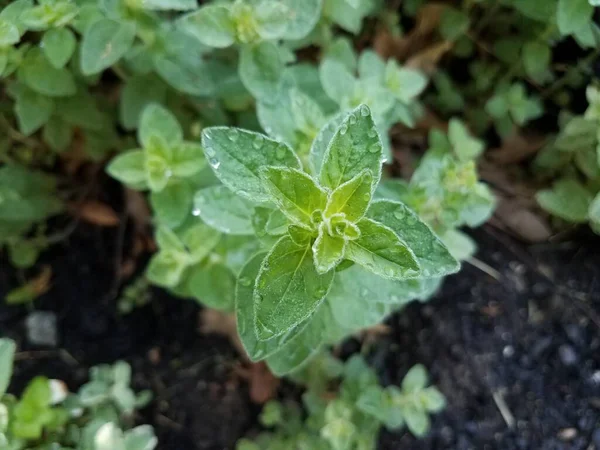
[351, 417]
[46, 415]
[573, 157]
[329, 250]
[27, 198]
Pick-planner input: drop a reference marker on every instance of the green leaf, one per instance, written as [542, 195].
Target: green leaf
[186, 159]
[406, 84]
[222, 209]
[338, 82]
[256, 349]
[307, 114]
[537, 57]
[416, 379]
[356, 146]
[454, 23]
[7, 353]
[158, 172]
[568, 199]
[104, 43]
[57, 134]
[12, 13]
[172, 204]
[433, 400]
[465, 146]
[294, 192]
[200, 240]
[381, 251]
[328, 251]
[129, 168]
[9, 33]
[573, 15]
[433, 256]
[32, 110]
[58, 45]
[288, 289]
[166, 268]
[213, 285]
[159, 121]
[211, 24]
[109, 437]
[321, 142]
[236, 157]
[271, 19]
[459, 244]
[261, 68]
[305, 16]
[169, 5]
[417, 421]
[139, 92]
[351, 198]
[43, 77]
[141, 437]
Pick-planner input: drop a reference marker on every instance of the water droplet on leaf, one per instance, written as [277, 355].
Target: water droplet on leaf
[258, 142]
[233, 135]
[214, 163]
[375, 148]
[364, 110]
[343, 129]
[245, 281]
[196, 212]
[280, 153]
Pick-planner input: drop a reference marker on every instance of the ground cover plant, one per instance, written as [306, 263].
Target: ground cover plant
[308, 169]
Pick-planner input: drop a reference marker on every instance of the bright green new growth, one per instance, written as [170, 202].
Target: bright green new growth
[98, 417]
[282, 299]
[351, 417]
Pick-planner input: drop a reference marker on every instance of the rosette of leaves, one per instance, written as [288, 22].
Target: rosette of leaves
[322, 234]
[574, 156]
[444, 189]
[47, 416]
[511, 106]
[352, 417]
[388, 89]
[256, 28]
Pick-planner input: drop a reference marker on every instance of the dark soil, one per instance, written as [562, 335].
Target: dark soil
[517, 357]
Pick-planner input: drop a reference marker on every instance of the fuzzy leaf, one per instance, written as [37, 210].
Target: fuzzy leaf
[236, 157]
[433, 256]
[416, 379]
[43, 77]
[305, 16]
[213, 285]
[568, 199]
[573, 15]
[58, 45]
[222, 209]
[172, 204]
[381, 251]
[294, 192]
[321, 142]
[211, 24]
[328, 250]
[351, 198]
[288, 289]
[261, 68]
[128, 168]
[337, 81]
[139, 92]
[158, 121]
[33, 110]
[104, 43]
[356, 146]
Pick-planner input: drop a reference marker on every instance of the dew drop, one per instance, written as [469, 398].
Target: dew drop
[364, 110]
[258, 142]
[375, 148]
[394, 299]
[364, 292]
[214, 163]
[320, 293]
[399, 214]
[280, 153]
[196, 212]
[245, 281]
[352, 119]
[209, 151]
[168, 173]
[372, 132]
[390, 272]
[343, 129]
[233, 135]
[367, 197]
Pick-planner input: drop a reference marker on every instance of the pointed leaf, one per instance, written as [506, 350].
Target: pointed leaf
[7, 353]
[261, 68]
[328, 250]
[43, 77]
[128, 168]
[222, 209]
[321, 142]
[237, 156]
[158, 121]
[104, 43]
[172, 204]
[58, 44]
[294, 192]
[213, 285]
[305, 16]
[351, 198]
[381, 251]
[256, 349]
[356, 146]
[211, 24]
[416, 379]
[288, 289]
[156, 163]
[141, 438]
[187, 159]
[166, 268]
[433, 256]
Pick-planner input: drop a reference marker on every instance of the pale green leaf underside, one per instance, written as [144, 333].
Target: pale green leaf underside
[222, 209]
[288, 289]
